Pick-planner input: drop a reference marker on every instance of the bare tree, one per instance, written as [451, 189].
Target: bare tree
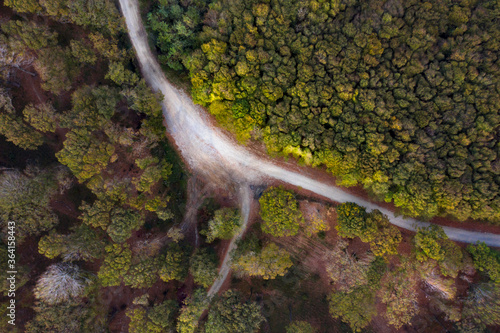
[10, 59]
[60, 283]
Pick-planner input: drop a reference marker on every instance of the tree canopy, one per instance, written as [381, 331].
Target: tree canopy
[486, 260]
[25, 198]
[229, 314]
[159, 318]
[224, 225]
[399, 97]
[203, 267]
[280, 212]
[269, 262]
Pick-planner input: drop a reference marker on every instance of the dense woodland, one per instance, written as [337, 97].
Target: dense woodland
[400, 97]
[389, 95]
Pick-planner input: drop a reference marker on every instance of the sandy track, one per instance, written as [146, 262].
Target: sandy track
[209, 151]
[246, 201]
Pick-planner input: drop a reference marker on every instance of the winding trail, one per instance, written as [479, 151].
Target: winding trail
[246, 202]
[212, 153]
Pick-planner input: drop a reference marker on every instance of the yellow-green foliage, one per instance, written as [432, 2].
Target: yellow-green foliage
[398, 293]
[229, 314]
[300, 327]
[19, 133]
[107, 47]
[43, 117]
[157, 319]
[82, 52]
[190, 313]
[269, 263]
[120, 75]
[85, 154]
[28, 35]
[352, 221]
[224, 225]
[373, 228]
[386, 239]
[174, 265]
[97, 215]
[357, 308]
[57, 69]
[203, 267]
[280, 212]
[390, 98]
[486, 260]
[25, 198]
[142, 274]
[24, 6]
[13, 128]
[123, 223]
[51, 245]
[428, 243]
[92, 107]
[116, 264]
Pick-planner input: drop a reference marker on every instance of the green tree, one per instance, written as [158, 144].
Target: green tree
[82, 52]
[229, 314]
[280, 212]
[174, 266]
[224, 225]
[25, 199]
[268, 263]
[190, 313]
[19, 133]
[13, 128]
[42, 117]
[57, 69]
[92, 108]
[371, 95]
[175, 25]
[428, 243]
[399, 295]
[300, 327]
[120, 75]
[82, 244]
[99, 214]
[486, 260]
[85, 154]
[357, 308]
[24, 6]
[353, 222]
[143, 100]
[157, 319]
[387, 238]
[203, 268]
[143, 274]
[29, 35]
[123, 223]
[453, 261]
[79, 318]
[116, 264]
[107, 47]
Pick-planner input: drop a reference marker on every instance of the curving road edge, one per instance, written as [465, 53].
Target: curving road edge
[209, 151]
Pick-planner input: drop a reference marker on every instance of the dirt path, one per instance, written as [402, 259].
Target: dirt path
[220, 159]
[246, 201]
